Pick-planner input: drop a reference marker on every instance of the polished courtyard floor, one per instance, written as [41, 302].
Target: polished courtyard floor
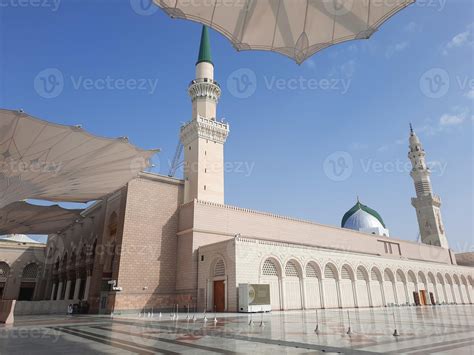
[422, 330]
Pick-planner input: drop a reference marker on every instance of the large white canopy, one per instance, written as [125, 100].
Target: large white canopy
[295, 28]
[24, 218]
[43, 160]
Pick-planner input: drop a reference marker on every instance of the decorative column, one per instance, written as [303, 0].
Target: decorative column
[60, 288]
[88, 285]
[77, 287]
[303, 291]
[68, 290]
[53, 291]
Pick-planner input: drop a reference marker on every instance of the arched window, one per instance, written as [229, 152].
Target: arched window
[362, 274]
[375, 275]
[440, 278]
[219, 268]
[30, 272]
[269, 268]
[330, 272]
[388, 275]
[311, 271]
[4, 271]
[400, 276]
[346, 273]
[291, 269]
[411, 277]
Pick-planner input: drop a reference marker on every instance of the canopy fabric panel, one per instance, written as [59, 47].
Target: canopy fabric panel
[24, 218]
[295, 28]
[43, 160]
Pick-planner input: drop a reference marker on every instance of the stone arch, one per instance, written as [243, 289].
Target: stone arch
[376, 286]
[440, 289]
[312, 283]
[465, 291]
[293, 268]
[362, 287]
[271, 273]
[331, 286]
[389, 287]
[217, 292]
[347, 278]
[312, 269]
[449, 289]
[330, 271]
[29, 276]
[293, 295]
[362, 273]
[458, 292]
[401, 287]
[218, 266]
[4, 274]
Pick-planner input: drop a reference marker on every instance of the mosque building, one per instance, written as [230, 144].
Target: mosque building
[161, 241]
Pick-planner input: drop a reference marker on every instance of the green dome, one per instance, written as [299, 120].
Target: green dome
[359, 206]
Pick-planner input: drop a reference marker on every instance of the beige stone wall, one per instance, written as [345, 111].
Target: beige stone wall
[147, 266]
[227, 221]
[17, 257]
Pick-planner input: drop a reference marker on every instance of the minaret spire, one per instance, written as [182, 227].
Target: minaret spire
[427, 204]
[205, 47]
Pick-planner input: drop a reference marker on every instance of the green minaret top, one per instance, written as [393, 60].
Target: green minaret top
[205, 47]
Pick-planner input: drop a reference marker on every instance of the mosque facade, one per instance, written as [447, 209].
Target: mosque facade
[161, 241]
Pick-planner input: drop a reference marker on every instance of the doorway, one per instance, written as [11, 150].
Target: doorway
[103, 302]
[423, 297]
[416, 298]
[219, 296]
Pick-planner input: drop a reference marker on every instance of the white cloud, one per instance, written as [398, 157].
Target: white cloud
[412, 27]
[398, 47]
[451, 119]
[460, 40]
[470, 94]
[346, 69]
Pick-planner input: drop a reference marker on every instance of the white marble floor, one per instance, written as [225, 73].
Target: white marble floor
[422, 330]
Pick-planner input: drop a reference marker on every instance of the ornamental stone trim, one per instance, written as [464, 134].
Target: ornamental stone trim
[204, 128]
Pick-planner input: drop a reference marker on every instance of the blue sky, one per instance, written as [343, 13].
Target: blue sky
[289, 123]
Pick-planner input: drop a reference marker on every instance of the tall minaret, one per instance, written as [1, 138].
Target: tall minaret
[203, 137]
[426, 204]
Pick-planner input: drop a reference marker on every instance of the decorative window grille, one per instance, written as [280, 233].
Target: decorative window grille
[387, 276]
[30, 271]
[329, 272]
[440, 279]
[311, 271]
[361, 274]
[345, 273]
[375, 276]
[269, 268]
[421, 277]
[290, 269]
[219, 269]
[4, 270]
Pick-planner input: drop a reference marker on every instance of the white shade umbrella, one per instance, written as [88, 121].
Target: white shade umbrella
[43, 160]
[295, 28]
[24, 218]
